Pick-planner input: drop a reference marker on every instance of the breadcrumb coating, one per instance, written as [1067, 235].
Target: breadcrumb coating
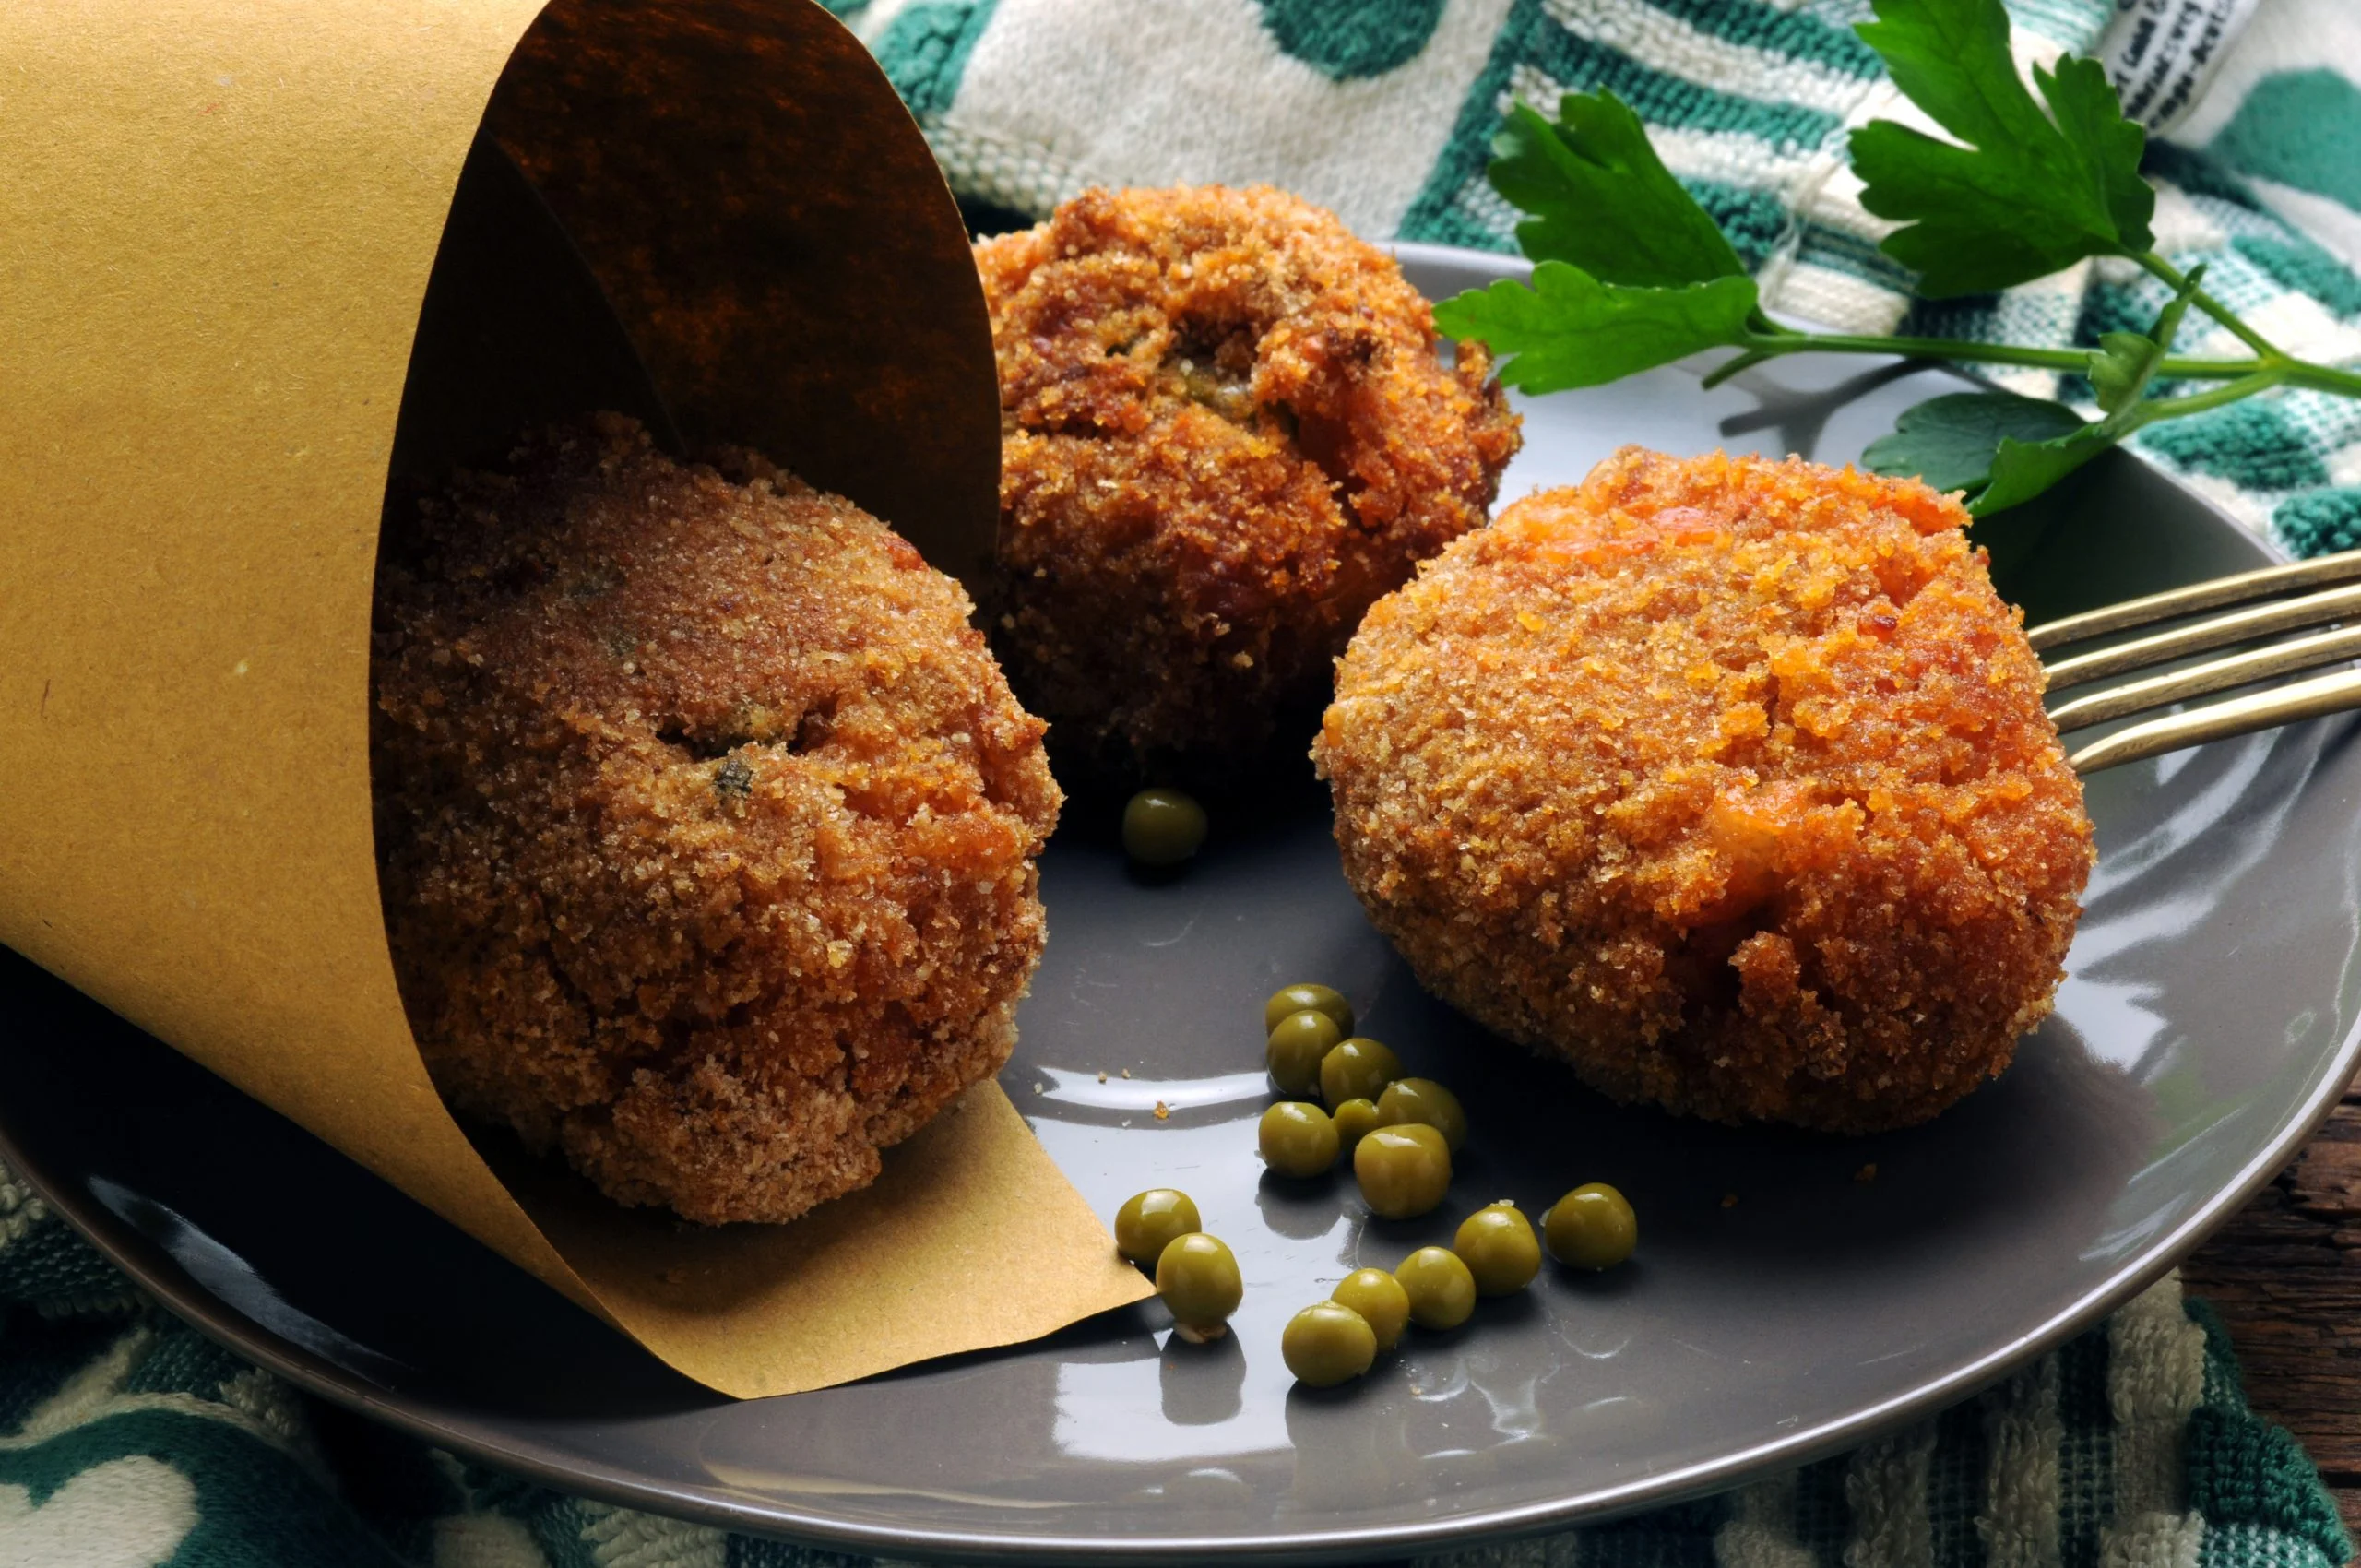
[705, 823]
[1226, 430]
[1727, 781]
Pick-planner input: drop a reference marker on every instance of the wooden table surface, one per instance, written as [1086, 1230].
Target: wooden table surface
[2286, 1274]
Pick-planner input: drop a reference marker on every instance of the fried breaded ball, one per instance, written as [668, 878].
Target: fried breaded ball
[705, 823]
[1226, 430]
[1727, 781]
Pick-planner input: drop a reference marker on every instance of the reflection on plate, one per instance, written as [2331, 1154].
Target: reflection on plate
[2208, 1023]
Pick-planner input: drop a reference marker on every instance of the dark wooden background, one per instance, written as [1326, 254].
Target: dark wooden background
[2286, 1274]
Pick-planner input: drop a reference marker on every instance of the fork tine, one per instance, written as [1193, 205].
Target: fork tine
[2220, 674]
[2237, 625]
[2319, 695]
[2319, 572]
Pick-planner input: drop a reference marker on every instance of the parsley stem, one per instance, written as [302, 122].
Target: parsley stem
[1733, 364]
[2177, 280]
[2198, 403]
[2072, 361]
[2323, 378]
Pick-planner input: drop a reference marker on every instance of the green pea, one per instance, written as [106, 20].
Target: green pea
[1163, 827]
[1442, 1291]
[1356, 1068]
[1295, 1049]
[1356, 1119]
[1380, 1301]
[1199, 1280]
[1424, 1101]
[1404, 1171]
[1591, 1227]
[1148, 1222]
[1327, 1344]
[1296, 1140]
[1313, 998]
[1497, 1245]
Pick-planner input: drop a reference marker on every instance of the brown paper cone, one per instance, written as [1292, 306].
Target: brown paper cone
[222, 221]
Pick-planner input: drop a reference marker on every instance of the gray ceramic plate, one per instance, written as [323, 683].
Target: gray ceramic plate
[2209, 1022]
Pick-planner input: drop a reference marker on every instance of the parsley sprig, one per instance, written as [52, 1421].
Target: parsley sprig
[1631, 272]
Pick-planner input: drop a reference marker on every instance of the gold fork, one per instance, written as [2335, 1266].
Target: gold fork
[2259, 613]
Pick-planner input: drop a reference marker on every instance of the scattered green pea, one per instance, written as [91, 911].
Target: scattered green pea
[1425, 1100]
[1442, 1291]
[1296, 1140]
[1326, 1344]
[1592, 1226]
[1199, 1280]
[1148, 1222]
[1163, 827]
[1313, 998]
[1404, 1171]
[1356, 1068]
[1380, 1301]
[1295, 1048]
[1497, 1245]
[1356, 1119]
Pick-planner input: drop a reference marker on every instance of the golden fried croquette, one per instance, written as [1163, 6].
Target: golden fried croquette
[707, 825]
[1226, 430]
[1726, 780]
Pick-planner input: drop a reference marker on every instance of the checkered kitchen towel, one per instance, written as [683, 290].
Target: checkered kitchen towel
[128, 1441]
[1383, 108]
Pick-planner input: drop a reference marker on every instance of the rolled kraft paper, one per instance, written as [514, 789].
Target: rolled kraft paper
[222, 222]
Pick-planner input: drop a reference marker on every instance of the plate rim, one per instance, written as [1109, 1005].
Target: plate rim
[161, 1276]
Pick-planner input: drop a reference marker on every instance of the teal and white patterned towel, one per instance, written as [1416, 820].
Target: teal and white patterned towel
[127, 1440]
[1383, 109]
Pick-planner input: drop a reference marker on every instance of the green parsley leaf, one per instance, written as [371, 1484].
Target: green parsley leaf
[2031, 193]
[2124, 362]
[1950, 441]
[2022, 469]
[1569, 329]
[2120, 367]
[2106, 146]
[1601, 198]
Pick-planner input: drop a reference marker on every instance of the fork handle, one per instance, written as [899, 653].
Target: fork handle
[2315, 698]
